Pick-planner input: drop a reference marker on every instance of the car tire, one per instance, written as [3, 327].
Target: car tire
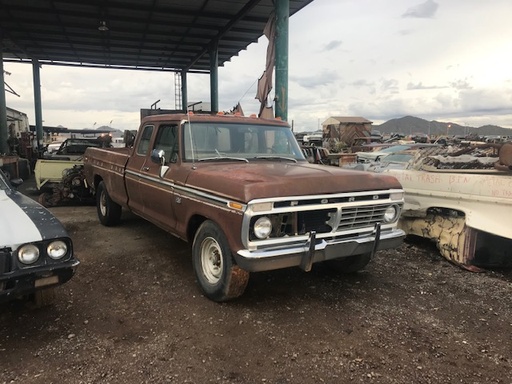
[216, 272]
[351, 264]
[45, 199]
[109, 212]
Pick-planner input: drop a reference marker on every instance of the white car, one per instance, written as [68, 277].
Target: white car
[36, 252]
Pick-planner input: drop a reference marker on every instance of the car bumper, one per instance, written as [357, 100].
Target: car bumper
[27, 281]
[315, 251]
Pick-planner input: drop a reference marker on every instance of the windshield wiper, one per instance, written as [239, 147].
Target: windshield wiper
[276, 158]
[221, 156]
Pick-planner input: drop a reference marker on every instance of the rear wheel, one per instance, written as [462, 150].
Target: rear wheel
[109, 212]
[349, 264]
[217, 274]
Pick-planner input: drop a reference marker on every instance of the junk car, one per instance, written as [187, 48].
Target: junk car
[36, 252]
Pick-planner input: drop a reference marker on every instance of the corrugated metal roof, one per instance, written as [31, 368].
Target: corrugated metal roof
[171, 35]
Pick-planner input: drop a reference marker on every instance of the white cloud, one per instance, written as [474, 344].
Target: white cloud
[424, 10]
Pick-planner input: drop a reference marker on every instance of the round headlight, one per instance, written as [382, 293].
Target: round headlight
[28, 254]
[262, 227]
[57, 249]
[391, 214]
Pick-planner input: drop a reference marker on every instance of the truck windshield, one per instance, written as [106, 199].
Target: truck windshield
[230, 140]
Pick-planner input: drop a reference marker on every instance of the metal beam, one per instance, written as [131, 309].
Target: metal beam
[4, 147]
[184, 96]
[38, 109]
[281, 92]
[214, 78]
[243, 12]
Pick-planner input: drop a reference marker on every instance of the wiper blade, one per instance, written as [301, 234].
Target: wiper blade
[220, 158]
[276, 158]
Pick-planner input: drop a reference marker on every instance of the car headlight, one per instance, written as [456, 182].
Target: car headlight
[391, 214]
[57, 249]
[28, 254]
[262, 227]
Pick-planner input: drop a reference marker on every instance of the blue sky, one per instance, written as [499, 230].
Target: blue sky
[445, 60]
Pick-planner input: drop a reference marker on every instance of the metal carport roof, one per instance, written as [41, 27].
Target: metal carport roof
[165, 35]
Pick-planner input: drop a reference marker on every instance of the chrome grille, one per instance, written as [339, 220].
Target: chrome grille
[361, 217]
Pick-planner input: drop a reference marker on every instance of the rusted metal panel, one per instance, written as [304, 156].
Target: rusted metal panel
[455, 198]
[455, 240]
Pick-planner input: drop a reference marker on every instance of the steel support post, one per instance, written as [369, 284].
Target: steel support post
[184, 97]
[281, 93]
[4, 135]
[214, 78]
[38, 109]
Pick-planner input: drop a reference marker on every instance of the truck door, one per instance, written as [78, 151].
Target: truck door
[158, 193]
[134, 168]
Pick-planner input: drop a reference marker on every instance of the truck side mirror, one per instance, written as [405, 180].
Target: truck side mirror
[158, 157]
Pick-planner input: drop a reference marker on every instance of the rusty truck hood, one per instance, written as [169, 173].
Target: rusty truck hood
[255, 180]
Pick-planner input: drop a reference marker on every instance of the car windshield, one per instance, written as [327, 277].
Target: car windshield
[397, 158]
[211, 141]
[78, 146]
[395, 148]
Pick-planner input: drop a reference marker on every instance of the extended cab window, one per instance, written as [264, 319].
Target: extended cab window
[167, 139]
[143, 147]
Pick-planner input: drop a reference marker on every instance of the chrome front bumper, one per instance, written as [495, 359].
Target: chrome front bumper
[314, 251]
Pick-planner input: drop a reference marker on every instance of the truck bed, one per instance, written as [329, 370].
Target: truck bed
[109, 164]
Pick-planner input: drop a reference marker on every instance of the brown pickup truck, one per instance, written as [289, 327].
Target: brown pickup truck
[240, 190]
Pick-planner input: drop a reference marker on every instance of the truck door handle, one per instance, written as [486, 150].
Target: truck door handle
[145, 168]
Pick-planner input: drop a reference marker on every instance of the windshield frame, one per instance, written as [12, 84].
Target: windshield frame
[238, 141]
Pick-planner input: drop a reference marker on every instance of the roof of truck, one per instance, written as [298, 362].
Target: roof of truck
[206, 117]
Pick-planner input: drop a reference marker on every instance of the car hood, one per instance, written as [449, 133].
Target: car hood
[263, 179]
[24, 221]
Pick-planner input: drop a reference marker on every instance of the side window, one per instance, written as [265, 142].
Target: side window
[167, 139]
[143, 147]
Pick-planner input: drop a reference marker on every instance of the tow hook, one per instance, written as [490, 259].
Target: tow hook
[376, 230]
[307, 257]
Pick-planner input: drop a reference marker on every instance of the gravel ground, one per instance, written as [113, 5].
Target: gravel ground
[134, 314]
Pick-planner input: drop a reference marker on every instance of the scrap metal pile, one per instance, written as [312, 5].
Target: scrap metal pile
[480, 157]
[461, 198]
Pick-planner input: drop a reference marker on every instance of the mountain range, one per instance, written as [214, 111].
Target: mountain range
[409, 125]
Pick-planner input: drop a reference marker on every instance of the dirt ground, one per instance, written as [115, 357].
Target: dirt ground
[134, 314]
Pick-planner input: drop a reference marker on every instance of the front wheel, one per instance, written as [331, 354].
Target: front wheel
[217, 274]
[109, 212]
[349, 264]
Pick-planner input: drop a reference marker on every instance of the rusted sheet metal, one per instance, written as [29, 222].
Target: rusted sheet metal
[455, 199]
[454, 239]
